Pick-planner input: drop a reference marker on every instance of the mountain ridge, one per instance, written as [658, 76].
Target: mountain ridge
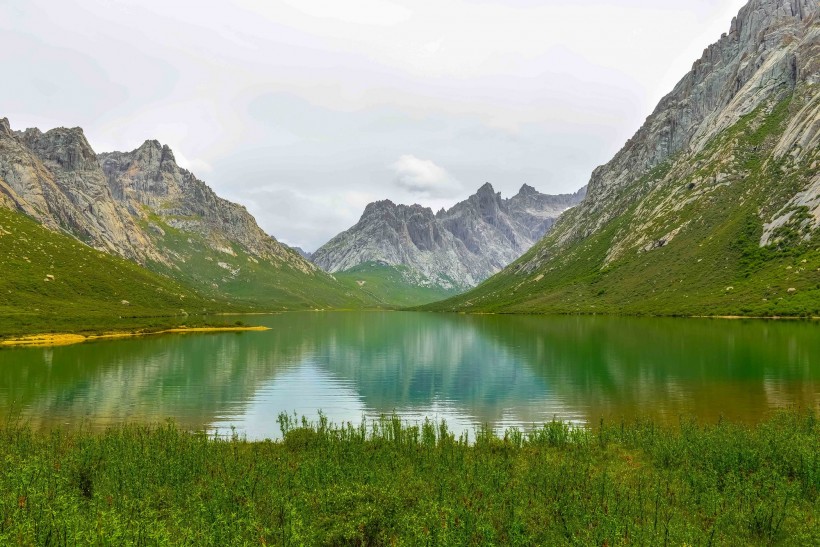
[712, 207]
[452, 249]
[142, 206]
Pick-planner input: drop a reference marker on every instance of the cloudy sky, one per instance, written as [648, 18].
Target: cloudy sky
[306, 110]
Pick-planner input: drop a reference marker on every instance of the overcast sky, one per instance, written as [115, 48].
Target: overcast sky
[306, 110]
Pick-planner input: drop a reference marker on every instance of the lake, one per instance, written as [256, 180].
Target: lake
[470, 370]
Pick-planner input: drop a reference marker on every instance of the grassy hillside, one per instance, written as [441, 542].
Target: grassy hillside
[685, 241]
[52, 283]
[247, 280]
[387, 286]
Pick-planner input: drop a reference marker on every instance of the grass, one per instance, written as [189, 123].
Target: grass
[248, 281]
[51, 282]
[388, 287]
[393, 484]
[713, 266]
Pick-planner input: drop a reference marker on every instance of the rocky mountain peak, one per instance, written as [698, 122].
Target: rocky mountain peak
[527, 190]
[151, 144]
[771, 47]
[377, 207]
[168, 154]
[152, 156]
[486, 190]
[66, 147]
[5, 128]
[107, 199]
[453, 248]
[725, 165]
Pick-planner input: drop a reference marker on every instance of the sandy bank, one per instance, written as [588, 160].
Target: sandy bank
[65, 339]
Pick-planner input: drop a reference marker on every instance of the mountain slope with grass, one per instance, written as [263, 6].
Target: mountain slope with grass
[712, 208]
[388, 286]
[142, 206]
[51, 282]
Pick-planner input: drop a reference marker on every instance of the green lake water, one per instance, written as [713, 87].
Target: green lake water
[469, 370]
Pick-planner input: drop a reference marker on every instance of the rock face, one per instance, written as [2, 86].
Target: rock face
[719, 187]
[143, 206]
[149, 179]
[453, 249]
[771, 46]
[54, 177]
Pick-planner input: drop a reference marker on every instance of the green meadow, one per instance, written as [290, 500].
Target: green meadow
[391, 483]
[51, 282]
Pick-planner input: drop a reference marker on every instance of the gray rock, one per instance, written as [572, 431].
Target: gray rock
[110, 200]
[455, 248]
[772, 49]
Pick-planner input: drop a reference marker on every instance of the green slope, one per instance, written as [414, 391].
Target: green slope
[88, 286]
[248, 281]
[714, 265]
[387, 286]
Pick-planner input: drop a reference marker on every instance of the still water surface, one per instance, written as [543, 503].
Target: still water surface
[469, 370]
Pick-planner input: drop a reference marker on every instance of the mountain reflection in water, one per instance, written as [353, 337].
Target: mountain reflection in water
[469, 370]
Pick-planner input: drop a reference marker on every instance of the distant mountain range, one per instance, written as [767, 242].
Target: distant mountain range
[712, 207]
[142, 206]
[451, 250]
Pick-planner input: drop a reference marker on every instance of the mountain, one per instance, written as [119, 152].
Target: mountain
[303, 253]
[446, 252]
[712, 207]
[142, 206]
[52, 282]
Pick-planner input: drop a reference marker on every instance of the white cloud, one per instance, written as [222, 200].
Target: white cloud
[424, 177]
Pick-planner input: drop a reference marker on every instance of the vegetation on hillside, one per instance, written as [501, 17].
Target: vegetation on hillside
[703, 221]
[389, 286]
[247, 280]
[51, 282]
[392, 484]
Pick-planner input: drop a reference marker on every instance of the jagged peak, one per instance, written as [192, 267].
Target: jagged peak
[150, 143]
[70, 133]
[414, 207]
[5, 128]
[527, 190]
[376, 206]
[168, 154]
[486, 188]
[65, 145]
[153, 148]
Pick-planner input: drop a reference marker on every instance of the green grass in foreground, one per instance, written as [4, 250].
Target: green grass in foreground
[388, 287]
[613, 484]
[50, 282]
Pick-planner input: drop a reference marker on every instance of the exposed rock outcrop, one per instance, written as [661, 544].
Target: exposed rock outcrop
[143, 206]
[719, 188]
[149, 179]
[771, 46]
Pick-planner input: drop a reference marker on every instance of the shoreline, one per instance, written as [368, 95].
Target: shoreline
[770, 317]
[67, 339]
